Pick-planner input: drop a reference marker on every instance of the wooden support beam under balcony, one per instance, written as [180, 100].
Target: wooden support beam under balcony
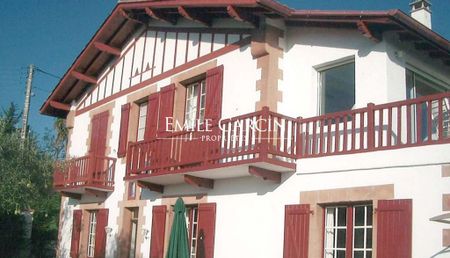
[265, 174]
[84, 77]
[71, 195]
[199, 181]
[151, 186]
[160, 16]
[96, 193]
[195, 16]
[107, 48]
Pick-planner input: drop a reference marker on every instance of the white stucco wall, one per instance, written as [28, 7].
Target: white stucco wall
[250, 212]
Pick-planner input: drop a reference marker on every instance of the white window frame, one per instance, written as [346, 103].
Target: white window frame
[321, 88]
[192, 226]
[332, 228]
[142, 119]
[91, 233]
[195, 110]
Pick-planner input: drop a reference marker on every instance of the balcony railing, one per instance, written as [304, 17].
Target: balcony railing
[265, 136]
[408, 123]
[261, 136]
[90, 171]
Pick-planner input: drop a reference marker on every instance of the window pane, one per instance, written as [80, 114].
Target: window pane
[341, 238]
[369, 238]
[330, 216]
[358, 254]
[359, 238]
[359, 215]
[338, 86]
[369, 254]
[340, 254]
[369, 215]
[342, 216]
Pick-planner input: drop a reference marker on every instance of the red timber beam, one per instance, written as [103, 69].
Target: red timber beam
[242, 16]
[151, 186]
[265, 174]
[71, 195]
[160, 16]
[364, 29]
[59, 105]
[128, 17]
[84, 77]
[107, 48]
[96, 193]
[195, 16]
[199, 181]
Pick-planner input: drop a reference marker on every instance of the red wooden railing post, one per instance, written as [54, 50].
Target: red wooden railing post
[264, 145]
[370, 126]
[299, 146]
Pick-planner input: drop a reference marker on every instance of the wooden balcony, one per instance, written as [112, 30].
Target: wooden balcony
[234, 148]
[266, 144]
[90, 175]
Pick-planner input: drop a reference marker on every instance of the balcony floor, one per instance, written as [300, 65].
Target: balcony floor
[220, 171]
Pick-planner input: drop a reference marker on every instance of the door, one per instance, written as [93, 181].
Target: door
[97, 148]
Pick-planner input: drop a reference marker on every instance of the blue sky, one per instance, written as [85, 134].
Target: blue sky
[51, 34]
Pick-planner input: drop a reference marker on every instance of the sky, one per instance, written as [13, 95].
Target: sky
[51, 33]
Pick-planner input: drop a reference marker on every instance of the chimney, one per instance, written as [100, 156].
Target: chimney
[421, 11]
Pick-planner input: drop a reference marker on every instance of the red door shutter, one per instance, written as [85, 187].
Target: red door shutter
[151, 124]
[100, 233]
[123, 135]
[98, 134]
[394, 228]
[206, 230]
[158, 232]
[214, 85]
[166, 107]
[296, 231]
[76, 231]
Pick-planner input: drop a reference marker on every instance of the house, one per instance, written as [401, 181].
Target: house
[287, 133]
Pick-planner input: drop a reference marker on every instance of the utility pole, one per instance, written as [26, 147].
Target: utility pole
[26, 109]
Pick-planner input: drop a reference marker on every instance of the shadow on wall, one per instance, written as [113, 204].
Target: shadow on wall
[233, 186]
[444, 251]
[66, 218]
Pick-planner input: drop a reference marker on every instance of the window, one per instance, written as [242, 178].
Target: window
[131, 190]
[91, 234]
[142, 120]
[337, 87]
[340, 221]
[133, 231]
[419, 84]
[195, 103]
[192, 225]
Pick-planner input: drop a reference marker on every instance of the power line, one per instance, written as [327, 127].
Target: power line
[47, 73]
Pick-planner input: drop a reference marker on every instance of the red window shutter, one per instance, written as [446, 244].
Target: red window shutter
[76, 232]
[100, 233]
[123, 135]
[206, 230]
[158, 232]
[214, 85]
[166, 107]
[394, 228]
[296, 231]
[151, 123]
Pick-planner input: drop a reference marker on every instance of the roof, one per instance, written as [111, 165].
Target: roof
[128, 16]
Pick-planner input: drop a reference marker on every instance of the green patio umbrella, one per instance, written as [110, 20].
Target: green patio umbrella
[178, 242]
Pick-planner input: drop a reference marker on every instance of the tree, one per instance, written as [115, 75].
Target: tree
[26, 172]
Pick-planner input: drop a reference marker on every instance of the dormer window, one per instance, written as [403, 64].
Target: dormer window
[195, 103]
